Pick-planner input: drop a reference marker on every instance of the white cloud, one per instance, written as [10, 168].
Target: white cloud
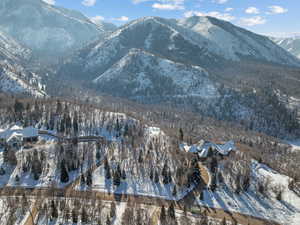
[167, 6]
[50, 2]
[97, 19]
[122, 18]
[252, 10]
[220, 1]
[175, 2]
[139, 1]
[229, 9]
[275, 9]
[222, 16]
[88, 3]
[252, 21]
[164, 4]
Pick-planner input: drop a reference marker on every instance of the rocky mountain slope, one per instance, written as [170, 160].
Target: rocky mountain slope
[48, 30]
[202, 41]
[239, 67]
[13, 76]
[221, 48]
[235, 43]
[291, 44]
[140, 73]
[12, 50]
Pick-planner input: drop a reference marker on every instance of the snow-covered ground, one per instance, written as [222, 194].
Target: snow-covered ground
[286, 211]
[141, 186]
[295, 144]
[136, 185]
[16, 216]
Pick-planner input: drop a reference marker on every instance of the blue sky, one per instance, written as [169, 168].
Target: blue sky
[272, 17]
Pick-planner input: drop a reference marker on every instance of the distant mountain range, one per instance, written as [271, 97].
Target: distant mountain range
[208, 65]
[225, 51]
[140, 73]
[291, 44]
[49, 31]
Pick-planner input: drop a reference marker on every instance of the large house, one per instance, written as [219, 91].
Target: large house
[16, 136]
[205, 149]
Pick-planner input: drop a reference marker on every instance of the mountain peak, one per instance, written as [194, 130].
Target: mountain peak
[48, 30]
[137, 73]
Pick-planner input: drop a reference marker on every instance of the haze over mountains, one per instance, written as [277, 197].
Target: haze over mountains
[48, 30]
[223, 70]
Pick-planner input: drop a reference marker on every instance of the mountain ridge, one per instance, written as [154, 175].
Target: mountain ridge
[49, 31]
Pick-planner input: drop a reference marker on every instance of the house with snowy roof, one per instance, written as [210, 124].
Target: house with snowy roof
[205, 149]
[16, 136]
[15, 140]
[30, 134]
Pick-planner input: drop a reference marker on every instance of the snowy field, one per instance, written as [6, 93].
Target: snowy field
[286, 211]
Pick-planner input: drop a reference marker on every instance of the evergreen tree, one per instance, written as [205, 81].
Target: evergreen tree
[17, 178]
[181, 136]
[151, 174]
[112, 210]
[123, 174]
[117, 176]
[174, 192]
[107, 173]
[98, 155]
[2, 171]
[163, 215]
[171, 211]
[84, 217]
[165, 174]
[224, 221]
[18, 108]
[74, 216]
[204, 220]
[202, 195]
[89, 179]
[58, 107]
[5, 155]
[156, 177]
[141, 157]
[64, 176]
[82, 179]
[106, 163]
[54, 212]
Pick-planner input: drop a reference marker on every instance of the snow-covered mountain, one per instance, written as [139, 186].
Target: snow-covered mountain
[203, 41]
[15, 80]
[197, 57]
[234, 43]
[291, 44]
[11, 49]
[151, 34]
[139, 73]
[13, 76]
[46, 29]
